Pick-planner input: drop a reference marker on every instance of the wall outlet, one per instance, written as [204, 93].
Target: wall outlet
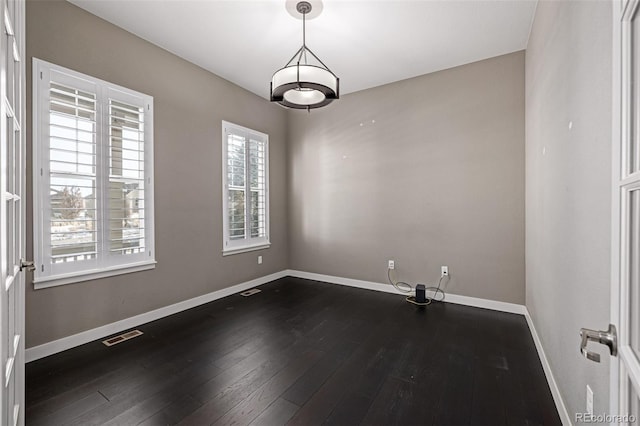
[444, 271]
[259, 260]
[392, 264]
[589, 401]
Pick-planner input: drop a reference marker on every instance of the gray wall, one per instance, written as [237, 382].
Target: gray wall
[437, 179]
[568, 79]
[189, 106]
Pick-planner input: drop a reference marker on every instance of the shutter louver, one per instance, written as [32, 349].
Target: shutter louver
[72, 174]
[126, 179]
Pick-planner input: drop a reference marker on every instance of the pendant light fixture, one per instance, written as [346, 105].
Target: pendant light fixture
[301, 84]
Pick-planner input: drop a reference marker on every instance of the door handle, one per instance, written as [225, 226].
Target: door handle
[27, 264]
[609, 338]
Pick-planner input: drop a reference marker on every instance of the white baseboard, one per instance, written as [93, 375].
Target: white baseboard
[50, 348]
[513, 308]
[555, 391]
[69, 342]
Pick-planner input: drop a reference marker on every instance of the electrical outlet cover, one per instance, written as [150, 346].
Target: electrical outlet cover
[392, 264]
[589, 400]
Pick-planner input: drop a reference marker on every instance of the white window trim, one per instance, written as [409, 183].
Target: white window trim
[246, 248]
[235, 247]
[40, 168]
[88, 275]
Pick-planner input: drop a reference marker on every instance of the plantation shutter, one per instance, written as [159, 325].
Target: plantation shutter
[236, 171]
[257, 186]
[72, 168]
[126, 208]
[246, 188]
[93, 170]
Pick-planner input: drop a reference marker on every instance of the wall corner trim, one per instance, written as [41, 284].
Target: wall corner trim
[553, 385]
[494, 305]
[55, 346]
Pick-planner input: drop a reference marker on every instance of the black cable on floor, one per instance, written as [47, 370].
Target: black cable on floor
[404, 287]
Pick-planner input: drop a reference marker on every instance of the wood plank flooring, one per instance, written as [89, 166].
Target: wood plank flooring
[302, 353]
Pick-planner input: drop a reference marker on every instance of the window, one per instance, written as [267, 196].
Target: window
[245, 192]
[93, 177]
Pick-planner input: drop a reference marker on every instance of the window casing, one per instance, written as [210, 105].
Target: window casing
[245, 192]
[92, 177]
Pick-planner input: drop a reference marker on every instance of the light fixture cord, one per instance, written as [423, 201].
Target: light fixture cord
[303, 49]
[304, 28]
[304, 35]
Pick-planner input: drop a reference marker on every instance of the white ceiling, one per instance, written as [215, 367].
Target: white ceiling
[366, 43]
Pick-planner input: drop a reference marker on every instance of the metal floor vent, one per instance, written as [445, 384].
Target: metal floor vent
[250, 292]
[121, 338]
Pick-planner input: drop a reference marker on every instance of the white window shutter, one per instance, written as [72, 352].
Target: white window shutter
[126, 192]
[72, 166]
[93, 174]
[257, 185]
[236, 190]
[245, 189]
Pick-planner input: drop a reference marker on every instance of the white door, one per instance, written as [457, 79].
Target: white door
[12, 210]
[625, 295]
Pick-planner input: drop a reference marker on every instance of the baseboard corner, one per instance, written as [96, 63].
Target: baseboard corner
[551, 381]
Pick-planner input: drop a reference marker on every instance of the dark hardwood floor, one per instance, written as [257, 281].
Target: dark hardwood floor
[302, 353]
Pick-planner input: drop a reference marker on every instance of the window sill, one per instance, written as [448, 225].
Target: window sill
[94, 274]
[245, 249]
